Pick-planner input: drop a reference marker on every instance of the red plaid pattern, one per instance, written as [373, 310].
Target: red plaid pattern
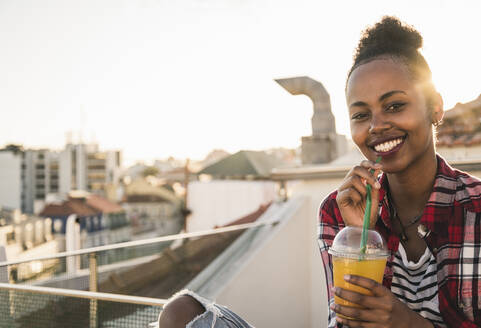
[452, 217]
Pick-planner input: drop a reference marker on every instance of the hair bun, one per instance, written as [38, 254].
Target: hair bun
[389, 36]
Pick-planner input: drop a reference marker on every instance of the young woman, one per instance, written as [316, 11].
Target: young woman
[429, 213]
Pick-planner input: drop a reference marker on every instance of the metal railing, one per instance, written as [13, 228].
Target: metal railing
[84, 294]
[27, 298]
[142, 242]
[33, 306]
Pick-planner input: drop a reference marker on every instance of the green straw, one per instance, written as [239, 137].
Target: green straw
[367, 217]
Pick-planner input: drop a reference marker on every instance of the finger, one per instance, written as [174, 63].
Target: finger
[355, 323]
[356, 183]
[376, 288]
[350, 296]
[365, 174]
[382, 303]
[371, 165]
[349, 196]
[361, 314]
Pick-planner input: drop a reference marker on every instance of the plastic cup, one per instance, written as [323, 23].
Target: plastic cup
[347, 259]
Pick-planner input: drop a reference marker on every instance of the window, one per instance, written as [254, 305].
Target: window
[10, 236]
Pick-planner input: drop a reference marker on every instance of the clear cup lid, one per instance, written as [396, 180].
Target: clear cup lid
[348, 241]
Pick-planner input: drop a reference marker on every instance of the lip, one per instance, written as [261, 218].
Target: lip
[375, 142]
[392, 151]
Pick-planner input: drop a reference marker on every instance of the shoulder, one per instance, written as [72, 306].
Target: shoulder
[466, 187]
[330, 219]
[329, 211]
[329, 203]
[329, 200]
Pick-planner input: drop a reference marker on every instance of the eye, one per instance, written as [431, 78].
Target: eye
[395, 107]
[359, 116]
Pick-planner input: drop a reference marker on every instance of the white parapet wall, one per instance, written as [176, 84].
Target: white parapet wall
[218, 202]
[272, 276]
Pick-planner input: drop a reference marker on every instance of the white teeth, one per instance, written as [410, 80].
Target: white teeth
[388, 145]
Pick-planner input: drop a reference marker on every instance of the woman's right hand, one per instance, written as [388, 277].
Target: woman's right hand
[351, 195]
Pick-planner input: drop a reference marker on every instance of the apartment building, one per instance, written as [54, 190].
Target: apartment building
[85, 167]
[27, 176]
[30, 176]
[40, 177]
[10, 175]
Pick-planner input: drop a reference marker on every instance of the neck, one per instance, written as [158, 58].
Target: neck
[411, 188]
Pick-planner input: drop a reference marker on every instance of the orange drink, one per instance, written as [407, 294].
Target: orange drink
[369, 268]
[347, 258]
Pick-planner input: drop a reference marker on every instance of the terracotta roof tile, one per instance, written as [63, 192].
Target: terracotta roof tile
[67, 208]
[103, 205]
[91, 205]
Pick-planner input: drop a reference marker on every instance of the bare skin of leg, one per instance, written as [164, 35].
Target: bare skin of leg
[179, 312]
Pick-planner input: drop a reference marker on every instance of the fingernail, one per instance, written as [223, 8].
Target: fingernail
[347, 277]
[377, 185]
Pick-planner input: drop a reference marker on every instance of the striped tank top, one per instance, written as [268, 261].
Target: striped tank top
[415, 284]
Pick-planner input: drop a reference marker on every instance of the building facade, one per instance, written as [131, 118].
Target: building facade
[31, 176]
[40, 177]
[27, 176]
[84, 167]
[10, 175]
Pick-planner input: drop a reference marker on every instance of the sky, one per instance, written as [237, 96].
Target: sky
[159, 78]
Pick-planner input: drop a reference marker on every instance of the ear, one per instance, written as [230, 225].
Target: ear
[437, 109]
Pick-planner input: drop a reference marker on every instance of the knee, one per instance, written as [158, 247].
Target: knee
[179, 312]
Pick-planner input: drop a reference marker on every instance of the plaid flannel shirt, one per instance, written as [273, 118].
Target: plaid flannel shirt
[452, 222]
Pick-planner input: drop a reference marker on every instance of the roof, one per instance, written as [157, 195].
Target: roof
[140, 190]
[67, 208]
[143, 199]
[175, 267]
[83, 206]
[242, 164]
[103, 205]
[461, 125]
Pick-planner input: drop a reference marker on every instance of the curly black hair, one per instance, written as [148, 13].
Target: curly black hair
[392, 38]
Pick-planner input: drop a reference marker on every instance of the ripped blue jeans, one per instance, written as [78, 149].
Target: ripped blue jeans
[215, 315]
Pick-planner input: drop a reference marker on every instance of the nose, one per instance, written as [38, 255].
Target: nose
[379, 123]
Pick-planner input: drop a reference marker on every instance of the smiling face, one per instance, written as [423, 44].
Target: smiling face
[388, 115]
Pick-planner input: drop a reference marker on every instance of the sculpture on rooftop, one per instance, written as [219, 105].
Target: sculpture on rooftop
[323, 146]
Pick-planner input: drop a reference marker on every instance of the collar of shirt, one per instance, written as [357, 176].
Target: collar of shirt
[438, 211]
